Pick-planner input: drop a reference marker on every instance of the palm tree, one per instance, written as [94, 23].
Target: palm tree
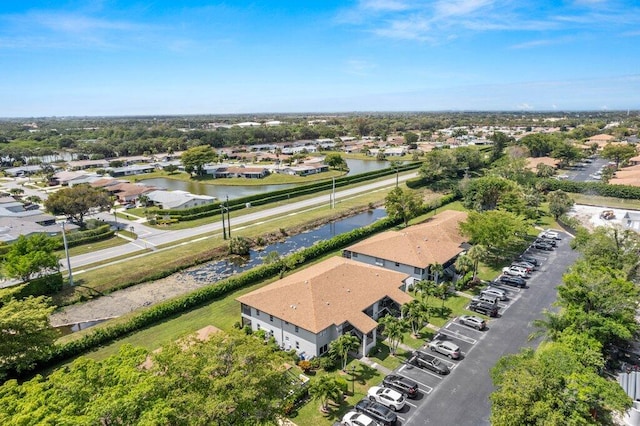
[442, 291]
[436, 269]
[325, 388]
[464, 264]
[394, 329]
[476, 253]
[416, 312]
[341, 347]
[426, 289]
[551, 326]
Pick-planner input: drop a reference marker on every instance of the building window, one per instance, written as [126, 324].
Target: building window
[271, 318]
[297, 329]
[322, 333]
[297, 345]
[286, 338]
[257, 312]
[354, 254]
[379, 262]
[257, 326]
[397, 264]
[323, 349]
[418, 271]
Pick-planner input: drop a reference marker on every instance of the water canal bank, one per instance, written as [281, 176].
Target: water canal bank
[79, 316]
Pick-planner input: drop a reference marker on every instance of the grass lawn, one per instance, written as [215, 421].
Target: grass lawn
[382, 355]
[596, 200]
[365, 377]
[88, 248]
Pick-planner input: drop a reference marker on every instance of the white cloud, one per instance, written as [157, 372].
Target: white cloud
[384, 5]
[448, 8]
[359, 67]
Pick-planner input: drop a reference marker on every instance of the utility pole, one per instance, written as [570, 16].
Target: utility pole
[228, 217]
[333, 194]
[66, 252]
[224, 226]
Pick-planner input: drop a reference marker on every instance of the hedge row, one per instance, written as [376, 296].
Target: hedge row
[85, 237]
[592, 188]
[162, 311]
[279, 195]
[43, 286]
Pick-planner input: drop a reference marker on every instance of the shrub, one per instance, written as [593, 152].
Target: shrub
[305, 365]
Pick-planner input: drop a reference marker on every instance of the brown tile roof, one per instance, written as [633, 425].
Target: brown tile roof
[627, 176]
[532, 162]
[435, 241]
[327, 293]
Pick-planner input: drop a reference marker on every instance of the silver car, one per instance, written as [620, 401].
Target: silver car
[472, 321]
[495, 292]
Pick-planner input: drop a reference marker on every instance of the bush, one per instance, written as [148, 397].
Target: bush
[305, 365]
[327, 363]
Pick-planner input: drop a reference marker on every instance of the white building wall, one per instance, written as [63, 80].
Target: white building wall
[392, 266]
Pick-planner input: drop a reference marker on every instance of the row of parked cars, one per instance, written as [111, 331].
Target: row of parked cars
[381, 403]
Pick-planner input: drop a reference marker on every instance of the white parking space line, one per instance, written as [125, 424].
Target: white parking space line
[465, 328]
[410, 404]
[423, 386]
[456, 334]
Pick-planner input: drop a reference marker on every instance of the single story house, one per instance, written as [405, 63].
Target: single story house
[176, 200]
[631, 220]
[415, 249]
[23, 170]
[87, 164]
[70, 178]
[136, 169]
[127, 192]
[303, 169]
[309, 309]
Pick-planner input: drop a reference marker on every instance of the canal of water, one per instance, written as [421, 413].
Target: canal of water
[211, 272]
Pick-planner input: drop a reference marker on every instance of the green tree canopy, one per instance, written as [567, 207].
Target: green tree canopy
[25, 334]
[501, 233]
[393, 328]
[403, 204]
[553, 387]
[619, 152]
[229, 379]
[30, 257]
[195, 158]
[540, 144]
[340, 348]
[438, 164]
[559, 203]
[76, 201]
[485, 193]
[335, 160]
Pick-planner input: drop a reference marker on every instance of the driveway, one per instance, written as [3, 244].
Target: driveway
[462, 397]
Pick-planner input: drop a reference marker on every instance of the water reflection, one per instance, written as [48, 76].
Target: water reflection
[215, 271]
[238, 191]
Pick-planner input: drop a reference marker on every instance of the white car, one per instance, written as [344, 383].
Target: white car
[387, 397]
[550, 234]
[496, 292]
[516, 271]
[353, 418]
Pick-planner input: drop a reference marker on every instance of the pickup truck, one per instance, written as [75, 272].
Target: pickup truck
[429, 362]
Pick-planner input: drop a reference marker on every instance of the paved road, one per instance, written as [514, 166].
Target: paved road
[584, 174]
[462, 398]
[150, 237]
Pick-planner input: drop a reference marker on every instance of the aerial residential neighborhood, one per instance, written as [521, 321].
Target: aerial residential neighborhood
[357, 213]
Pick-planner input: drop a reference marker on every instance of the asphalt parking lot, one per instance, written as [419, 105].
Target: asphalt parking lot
[462, 397]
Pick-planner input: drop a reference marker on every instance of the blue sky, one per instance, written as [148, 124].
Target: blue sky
[61, 58]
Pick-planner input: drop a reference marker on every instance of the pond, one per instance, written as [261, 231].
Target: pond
[238, 191]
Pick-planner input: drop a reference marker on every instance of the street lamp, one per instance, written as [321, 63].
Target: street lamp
[115, 216]
[66, 252]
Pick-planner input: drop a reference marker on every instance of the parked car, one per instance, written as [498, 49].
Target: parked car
[512, 281]
[483, 308]
[516, 271]
[402, 384]
[472, 321]
[353, 418]
[429, 362]
[377, 412]
[496, 292]
[388, 397]
[542, 245]
[530, 259]
[550, 241]
[550, 234]
[129, 206]
[524, 264]
[487, 298]
[445, 347]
